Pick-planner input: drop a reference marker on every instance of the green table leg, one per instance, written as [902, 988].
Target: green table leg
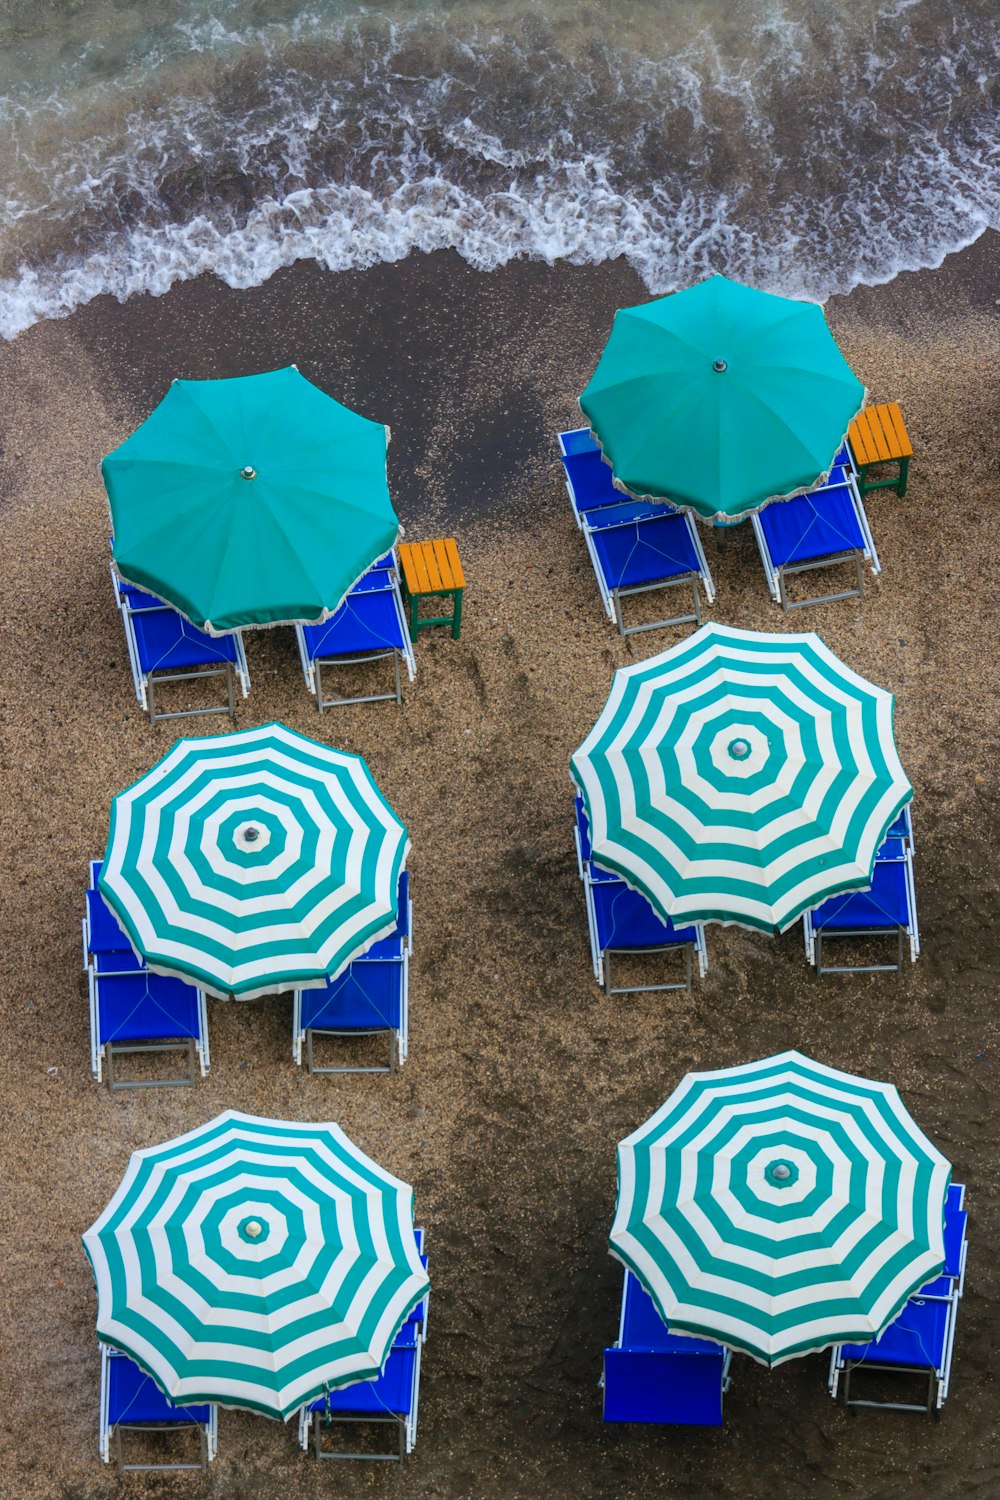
[866, 485]
[456, 622]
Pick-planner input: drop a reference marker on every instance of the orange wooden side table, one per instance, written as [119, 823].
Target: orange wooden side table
[878, 436]
[432, 569]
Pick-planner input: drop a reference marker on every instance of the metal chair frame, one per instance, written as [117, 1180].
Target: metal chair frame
[601, 959]
[208, 1432]
[146, 683]
[311, 1423]
[776, 574]
[590, 522]
[816, 936]
[196, 1051]
[312, 666]
[399, 1042]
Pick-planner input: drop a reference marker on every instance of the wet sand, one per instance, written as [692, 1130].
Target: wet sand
[521, 1076]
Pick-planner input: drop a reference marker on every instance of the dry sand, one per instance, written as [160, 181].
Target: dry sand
[521, 1076]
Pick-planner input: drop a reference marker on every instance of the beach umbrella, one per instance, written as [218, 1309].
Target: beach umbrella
[721, 398]
[252, 501]
[257, 1263]
[780, 1207]
[254, 862]
[741, 777]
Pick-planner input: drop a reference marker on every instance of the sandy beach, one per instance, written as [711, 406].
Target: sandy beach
[522, 1076]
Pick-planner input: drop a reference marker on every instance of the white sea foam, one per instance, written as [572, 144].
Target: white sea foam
[798, 160]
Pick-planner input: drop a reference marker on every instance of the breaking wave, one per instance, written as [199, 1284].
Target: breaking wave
[802, 148]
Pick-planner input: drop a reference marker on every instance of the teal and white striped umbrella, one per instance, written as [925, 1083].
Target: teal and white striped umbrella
[256, 1263]
[780, 1207]
[254, 862]
[741, 777]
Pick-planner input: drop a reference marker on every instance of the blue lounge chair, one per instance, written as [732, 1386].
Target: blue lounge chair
[635, 546]
[370, 998]
[165, 647]
[131, 1401]
[826, 528]
[369, 626]
[621, 921]
[653, 1375]
[920, 1342]
[391, 1399]
[133, 1010]
[887, 909]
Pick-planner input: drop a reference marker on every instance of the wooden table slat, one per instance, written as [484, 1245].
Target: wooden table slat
[895, 417]
[451, 552]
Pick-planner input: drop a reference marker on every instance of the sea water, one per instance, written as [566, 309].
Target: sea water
[800, 145]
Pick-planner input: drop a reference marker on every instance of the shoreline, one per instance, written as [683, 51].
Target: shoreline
[522, 1076]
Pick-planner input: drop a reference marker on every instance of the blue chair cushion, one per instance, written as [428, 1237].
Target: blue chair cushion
[609, 516]
[134, 1397]
[145, 1007]
[168, 643]
[139, 599]
[645, 551]
[392, 946]
[392, 1391]
[890, 849]
[415, 1315]
[583, 824]
[914, 1339]
[365, 997]
[117, 961]
[579, 441]
[886, 904]
[378, 576]
[955, 1221]
[105, 934]
[625, 919]
[810, 526]
[590, 480]
[364, 622]
[902, 827]
[598, 875]
[676, 1388]
[644, 1329]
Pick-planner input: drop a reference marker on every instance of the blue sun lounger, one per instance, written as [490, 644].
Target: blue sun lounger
[370, 998]
[920, 1342]
[165, 647]
[131, 1401]
[635, 546]
[653, 1375]
[826, 528]
[621, 921]
[887, 909]
[133, 1010]
[392, 1399]
[369, 626]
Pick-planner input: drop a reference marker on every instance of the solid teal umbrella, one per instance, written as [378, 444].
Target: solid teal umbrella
[253, 501]
[721, 398]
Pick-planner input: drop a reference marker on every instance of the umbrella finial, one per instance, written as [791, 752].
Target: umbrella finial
[254, 1229]
[719, 366]
[248, 472]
